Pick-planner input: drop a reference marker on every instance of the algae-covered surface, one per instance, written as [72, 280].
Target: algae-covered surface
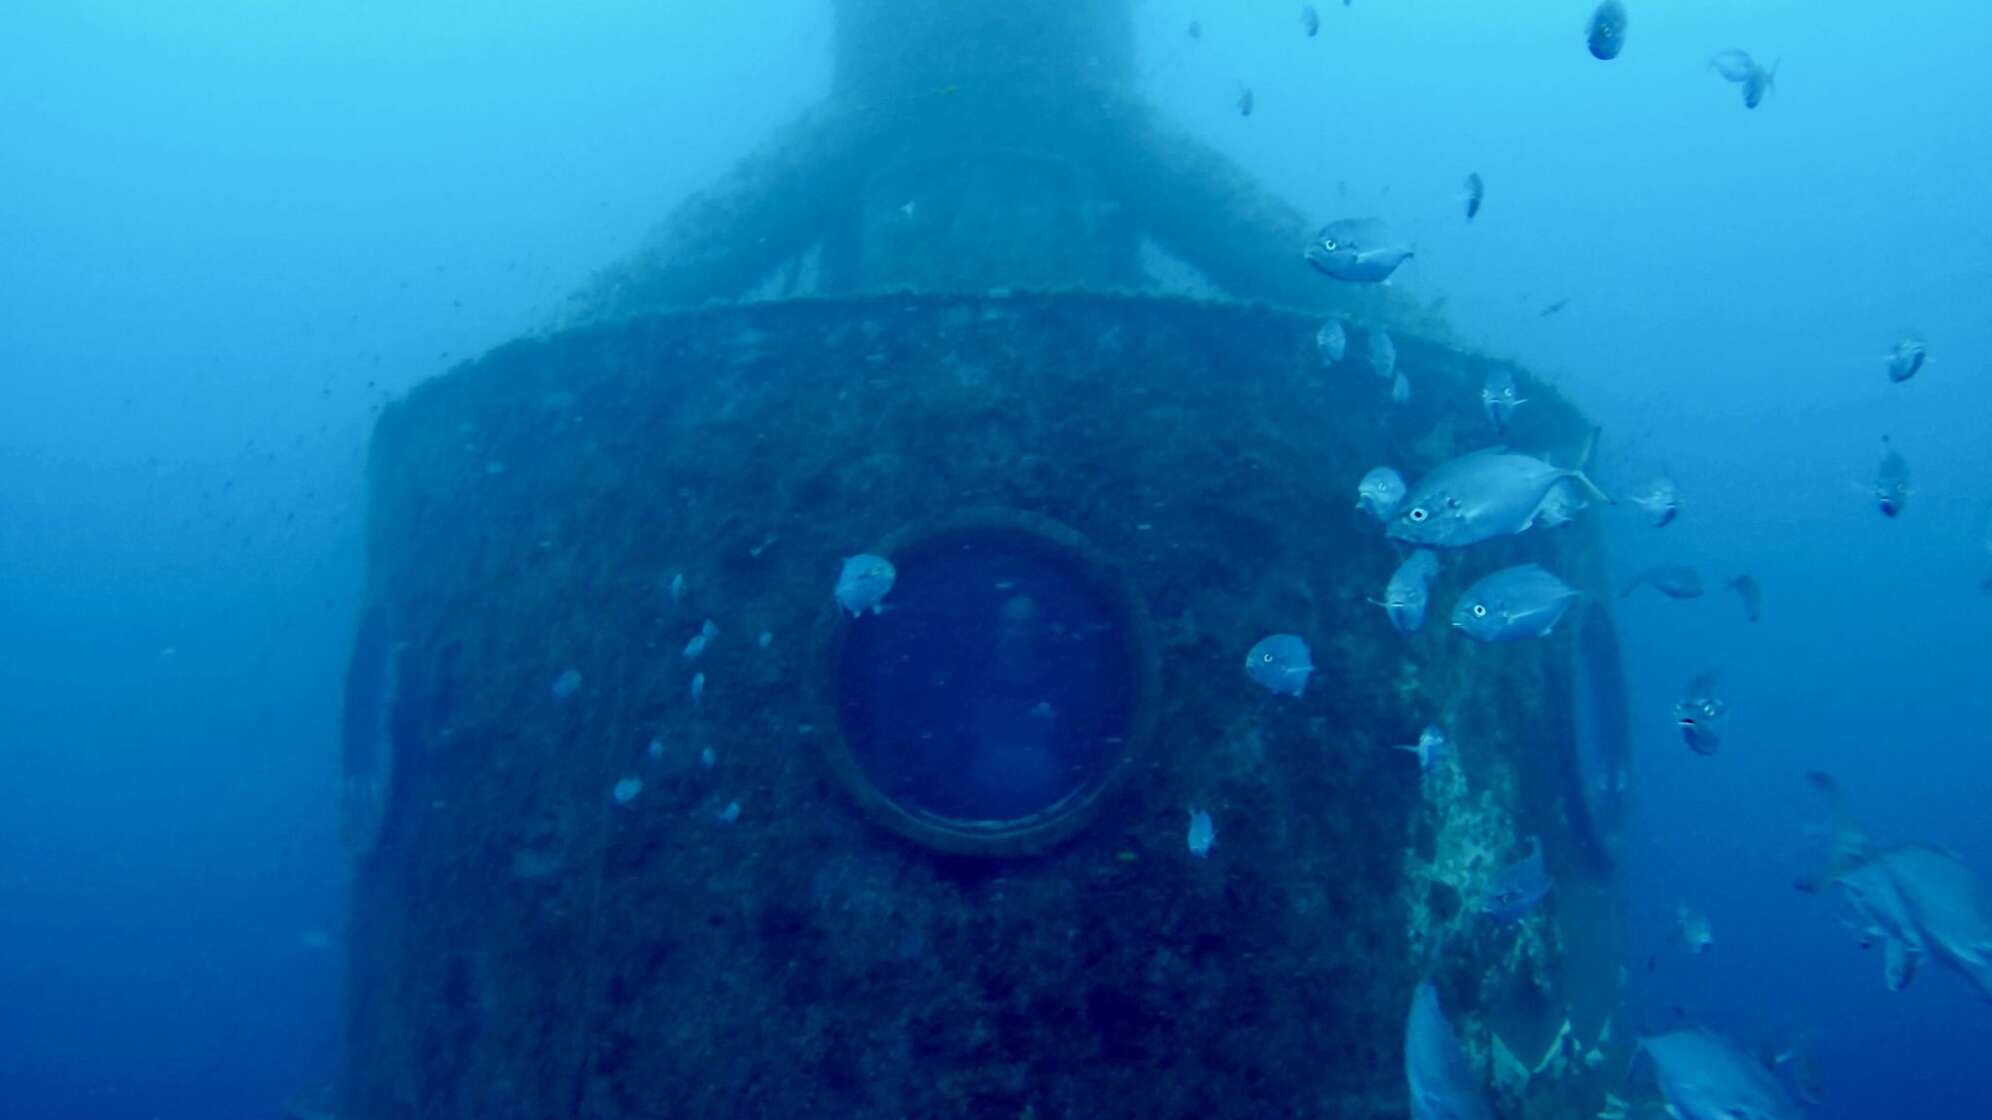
[739, 938]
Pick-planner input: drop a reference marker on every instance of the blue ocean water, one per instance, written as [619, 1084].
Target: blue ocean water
[233, 229]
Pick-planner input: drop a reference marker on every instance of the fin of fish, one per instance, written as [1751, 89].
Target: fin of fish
[1850, 840]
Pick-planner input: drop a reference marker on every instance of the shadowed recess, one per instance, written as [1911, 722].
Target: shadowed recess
[1602, 726]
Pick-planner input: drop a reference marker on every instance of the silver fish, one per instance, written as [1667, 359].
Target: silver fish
[1480, 496]
[1310, 20]
[1906, 360]
[1380, 493]
[864, 581]
[1519, 888]
[1891, 481]
[1430, 747]
[1700, 714]
[1513, 604]
[1734, 65]
[1565, 501]
[1332, 341]
[1359, 250]
[1693, 929]
[1441, 1079]
[1706, 1078]
[1605, 35]
[1660, 501]
[1475, 191]
[1400, 388]
[1382, 354]
[1408, 593]
[1499, 397]
[1202, 835]
[1675, 581]
[699, 641]
[1280, 663]
[1917, 899]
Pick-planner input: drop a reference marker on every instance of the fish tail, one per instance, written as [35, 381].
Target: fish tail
[1850, 840]
[1577, 475]
[1590, 445]
[1576, 471]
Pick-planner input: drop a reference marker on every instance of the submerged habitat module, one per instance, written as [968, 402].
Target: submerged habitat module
[932, 861]
[647, 823]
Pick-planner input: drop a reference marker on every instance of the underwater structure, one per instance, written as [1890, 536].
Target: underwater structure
[646, 823]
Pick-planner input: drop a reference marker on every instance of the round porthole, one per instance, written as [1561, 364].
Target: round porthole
[1001, 691]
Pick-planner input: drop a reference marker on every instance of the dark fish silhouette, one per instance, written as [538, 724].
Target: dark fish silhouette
[1891, 481]
[1737, 66]
[1734, 65]
[1606, 33]
[1752, 593]
[1310, 20]
[1475, 191]
[1757, 85]
[1552, 309]
[1906, 360]
[1675, 581]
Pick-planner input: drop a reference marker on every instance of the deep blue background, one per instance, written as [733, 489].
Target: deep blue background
[231, 228]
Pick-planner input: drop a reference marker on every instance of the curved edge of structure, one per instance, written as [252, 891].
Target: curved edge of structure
[724, 239]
